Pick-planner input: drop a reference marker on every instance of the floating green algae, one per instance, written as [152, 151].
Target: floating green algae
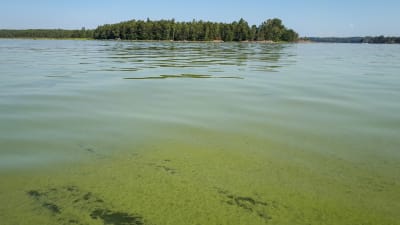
[178, 183]
[66, 203]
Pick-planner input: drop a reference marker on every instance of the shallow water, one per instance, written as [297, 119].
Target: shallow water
[95, 132]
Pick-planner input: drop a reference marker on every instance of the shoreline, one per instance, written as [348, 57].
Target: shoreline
[185, 41]
[40, 38]
[171, 41]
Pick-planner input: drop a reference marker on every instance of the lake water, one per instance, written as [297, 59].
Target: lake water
[129, 133]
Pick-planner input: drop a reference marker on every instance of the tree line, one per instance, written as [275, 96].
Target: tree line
[369, 40]
[272, 29]
[47, 33]
[382, 40]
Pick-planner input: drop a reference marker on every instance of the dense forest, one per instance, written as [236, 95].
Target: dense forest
[272, 30]
[47, 33]
[369, 40]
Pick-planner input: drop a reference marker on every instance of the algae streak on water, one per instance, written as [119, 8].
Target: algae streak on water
[309, 135]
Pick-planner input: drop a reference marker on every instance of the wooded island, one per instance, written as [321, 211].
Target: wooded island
[270, 30]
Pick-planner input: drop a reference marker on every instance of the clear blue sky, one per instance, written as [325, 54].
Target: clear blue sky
[308, 17]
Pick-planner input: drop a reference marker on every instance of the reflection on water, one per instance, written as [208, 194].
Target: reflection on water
[149, 56]
[128, 56]
[181, 76]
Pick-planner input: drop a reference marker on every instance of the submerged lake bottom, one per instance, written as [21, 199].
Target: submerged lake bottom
[136, 133]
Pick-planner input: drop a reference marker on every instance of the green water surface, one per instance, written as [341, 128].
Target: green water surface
[129, 133]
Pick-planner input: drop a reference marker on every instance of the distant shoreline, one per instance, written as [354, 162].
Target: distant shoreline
[354, 40]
